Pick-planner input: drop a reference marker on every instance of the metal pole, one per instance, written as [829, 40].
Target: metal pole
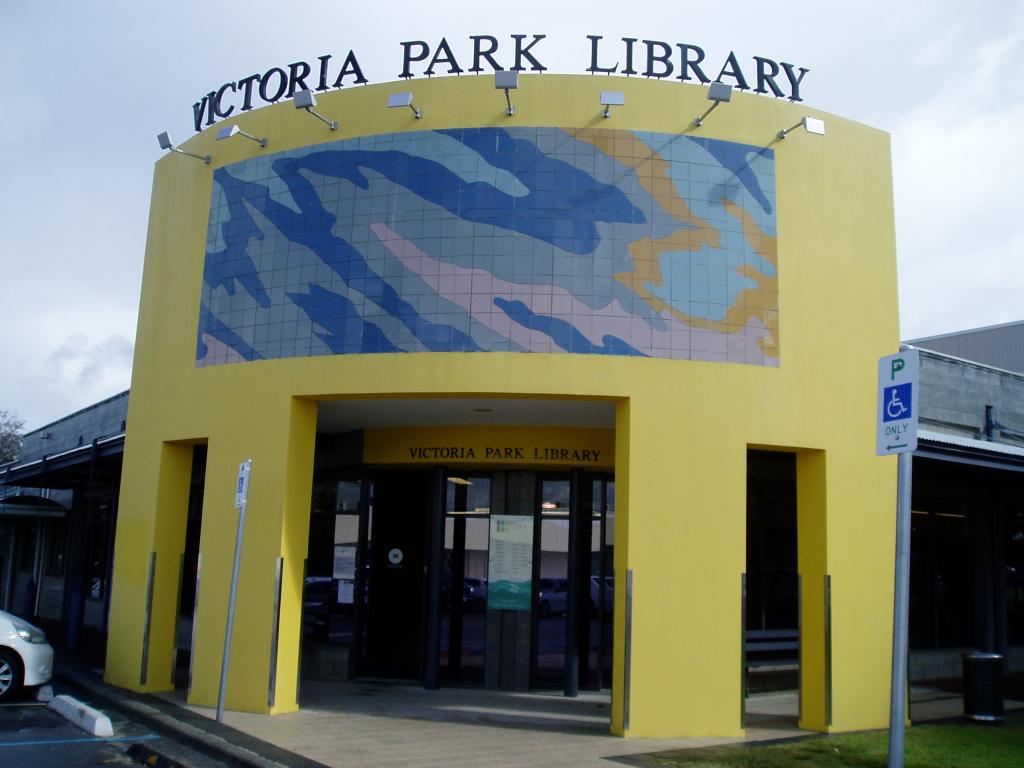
[901, 602]
[231, 614]
[571, 676]
[434, 565]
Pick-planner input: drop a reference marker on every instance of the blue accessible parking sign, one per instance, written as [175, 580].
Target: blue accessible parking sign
[897, 403]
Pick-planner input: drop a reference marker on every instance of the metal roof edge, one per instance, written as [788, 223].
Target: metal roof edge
[969, 443]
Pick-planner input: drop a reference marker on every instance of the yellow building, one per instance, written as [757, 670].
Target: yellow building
[514, 389]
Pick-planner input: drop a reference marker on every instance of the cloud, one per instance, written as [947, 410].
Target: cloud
[92, 367]
[959, 178]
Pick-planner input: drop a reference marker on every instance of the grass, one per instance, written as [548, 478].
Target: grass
[938, 745]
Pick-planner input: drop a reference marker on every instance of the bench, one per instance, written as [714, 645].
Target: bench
[771, 648]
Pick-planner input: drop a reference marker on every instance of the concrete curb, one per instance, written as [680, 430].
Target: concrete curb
[85, 717]
[215, 739]
[140, 753]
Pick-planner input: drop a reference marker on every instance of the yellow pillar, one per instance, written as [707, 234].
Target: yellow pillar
[620, 568]
[812, 565]
[279, 439]
[686, 521]
[148, 547]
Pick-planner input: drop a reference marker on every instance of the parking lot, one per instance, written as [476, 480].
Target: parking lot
[33, 735]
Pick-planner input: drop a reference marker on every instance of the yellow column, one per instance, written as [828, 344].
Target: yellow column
[279, 439]
[812, 558]
[862, 547]
[148, 547]
[620, 567]
[686, 548]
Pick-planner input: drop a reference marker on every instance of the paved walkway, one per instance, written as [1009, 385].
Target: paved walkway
[354, 724]
[387, 724]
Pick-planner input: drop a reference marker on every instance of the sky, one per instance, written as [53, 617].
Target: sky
[88, 86]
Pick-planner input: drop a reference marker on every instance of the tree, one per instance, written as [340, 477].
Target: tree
[10, 436]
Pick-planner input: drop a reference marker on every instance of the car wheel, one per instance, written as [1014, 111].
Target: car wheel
[545, 609]
[10, 674]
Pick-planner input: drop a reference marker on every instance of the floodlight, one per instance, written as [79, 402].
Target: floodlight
[814, 125]
[611, 99]
[165, 143]
[507, 80]
[306, 100]
[403, 99]
[231, 130]
[718, 92]
[810, 124]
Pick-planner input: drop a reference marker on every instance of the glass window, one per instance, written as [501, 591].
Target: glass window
[97, 538]
[552, 582]
[464, 575]
[328, 604]
[1014, 528]
[941, 581]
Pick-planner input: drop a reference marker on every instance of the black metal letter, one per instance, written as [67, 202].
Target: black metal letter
[408, 59]
[265, 81]
[210, 116]
[246, 84]
[524, 53]
[665, 59]
[594, 40]
[628, 69]
[297, 74]
[767, 71]
[324, 61]
[215, 107]
[686, 63]
[448, 58]
[732, 69]
[350, 68]
[479, 53]
[198, 110]
[794, 81]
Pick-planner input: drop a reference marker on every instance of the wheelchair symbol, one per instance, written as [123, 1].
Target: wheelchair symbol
[895, 407]
[897, 404]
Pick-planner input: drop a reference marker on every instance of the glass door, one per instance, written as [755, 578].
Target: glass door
[464, 575]
[328, 603]
[601, 597]
[400, 505]
[551, 581]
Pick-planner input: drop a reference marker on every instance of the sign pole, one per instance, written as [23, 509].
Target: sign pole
[898, 399]
[241, 501]
[900, 614]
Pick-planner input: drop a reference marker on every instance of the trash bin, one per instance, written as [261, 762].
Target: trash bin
[983, 686]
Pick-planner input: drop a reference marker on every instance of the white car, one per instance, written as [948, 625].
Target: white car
[25, 656]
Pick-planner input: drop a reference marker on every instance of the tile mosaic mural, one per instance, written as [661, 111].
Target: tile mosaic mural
[481, 240]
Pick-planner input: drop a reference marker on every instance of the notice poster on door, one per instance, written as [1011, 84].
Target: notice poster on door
[344, 562]
[510, 563]
[345, 572]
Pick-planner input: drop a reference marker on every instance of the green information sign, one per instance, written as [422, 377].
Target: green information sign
[510, 563]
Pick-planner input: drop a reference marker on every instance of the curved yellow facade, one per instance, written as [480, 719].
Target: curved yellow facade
[824, 309]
